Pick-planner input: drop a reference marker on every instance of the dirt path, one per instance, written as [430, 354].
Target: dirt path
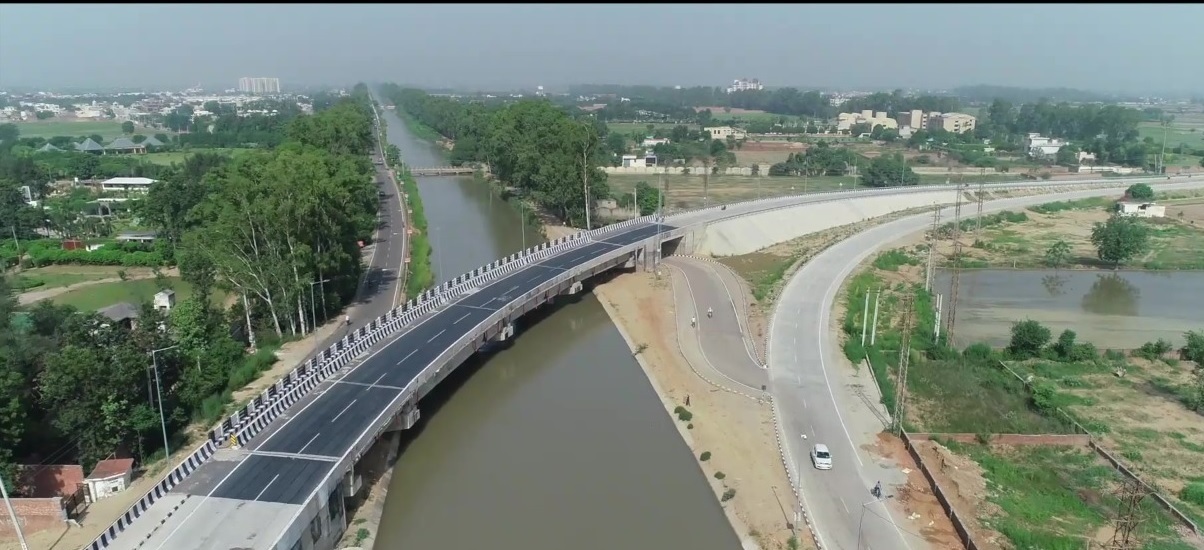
[32, 296]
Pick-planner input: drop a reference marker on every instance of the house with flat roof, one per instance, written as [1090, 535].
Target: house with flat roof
[140, 185]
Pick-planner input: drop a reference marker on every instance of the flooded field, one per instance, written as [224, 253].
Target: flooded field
[1112, 309]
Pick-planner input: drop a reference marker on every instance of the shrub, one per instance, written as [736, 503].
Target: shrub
[684, 415]
[690, 426]
[728, 495]
[1193, 493]
[720, 475]
[1154, 350]
[1028, 337]
[705, 456]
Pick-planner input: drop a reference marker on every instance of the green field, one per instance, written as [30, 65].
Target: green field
[177, 157]
[107, 129]
[1189, 132]
[56, 276]
[94, 297]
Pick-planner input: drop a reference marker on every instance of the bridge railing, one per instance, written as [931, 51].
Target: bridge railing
[259, 412]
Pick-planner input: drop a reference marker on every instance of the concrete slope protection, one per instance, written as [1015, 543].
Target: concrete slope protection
[288, 466]
[805, 358]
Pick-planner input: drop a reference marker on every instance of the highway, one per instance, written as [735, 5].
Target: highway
[298, 451]
[807, 380]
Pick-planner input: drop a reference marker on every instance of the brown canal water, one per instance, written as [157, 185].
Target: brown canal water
[1111, 309]
[557, 441]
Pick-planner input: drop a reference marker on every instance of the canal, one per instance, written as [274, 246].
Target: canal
[557, 441]
[1111, 309]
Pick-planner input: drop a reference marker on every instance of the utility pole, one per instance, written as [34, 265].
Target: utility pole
[585, 173]
[522, 221]
[12, 515]
[17, 243]
[159, 391]
[957, 262]
[936, 328]
[865, 316]
[979, 197]
[904, 357]
[1128, 517]
[932, 240]
[874, 331]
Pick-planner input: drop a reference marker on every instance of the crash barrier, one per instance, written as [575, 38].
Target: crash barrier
[260, 411]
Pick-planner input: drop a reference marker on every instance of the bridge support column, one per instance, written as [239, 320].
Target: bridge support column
[506, 333]
[634, 259]
[405, 419]
[575, 288]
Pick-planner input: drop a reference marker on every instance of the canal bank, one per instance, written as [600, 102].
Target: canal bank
[555, 441]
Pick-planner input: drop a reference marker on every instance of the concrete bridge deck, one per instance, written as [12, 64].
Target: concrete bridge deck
[443, 171]
[249, 497]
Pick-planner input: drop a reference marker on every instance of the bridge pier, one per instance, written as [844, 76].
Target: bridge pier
[505, 333]
[575, 288]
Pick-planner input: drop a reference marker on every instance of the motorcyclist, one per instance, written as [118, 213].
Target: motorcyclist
[347, 320]
[693, 321]
[877, 490]
[710, 313]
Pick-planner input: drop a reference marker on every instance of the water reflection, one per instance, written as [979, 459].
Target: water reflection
[1112, 294]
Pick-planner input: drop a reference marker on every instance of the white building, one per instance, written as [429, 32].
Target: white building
[140, 185]
[1040, 146]
[259, 85]
[724, 132]
[653, 142]
[1140, 209]
[744, 84]
[845, 121]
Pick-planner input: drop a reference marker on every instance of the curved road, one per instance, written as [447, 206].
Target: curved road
[806, 369]
[726, 351]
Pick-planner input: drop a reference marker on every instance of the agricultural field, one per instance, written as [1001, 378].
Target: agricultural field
[56, 276]
[642, 127]
[107, 129]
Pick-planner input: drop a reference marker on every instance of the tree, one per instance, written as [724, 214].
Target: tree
[1058, 254]
[890, 171]
[1194, 351]
[1141, 192]
[127, 127]
[1028, 337]
[1120, 239]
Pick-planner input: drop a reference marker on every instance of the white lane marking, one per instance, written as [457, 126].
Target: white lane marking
[381, 377]
[336, 417]
[311, 440]
[457, 321]
[698, 335]
[265, 487]
[845, 506]
[403, 359]
[440, 333]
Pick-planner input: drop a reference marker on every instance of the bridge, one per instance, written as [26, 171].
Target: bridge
[274, 474]
[443, 171]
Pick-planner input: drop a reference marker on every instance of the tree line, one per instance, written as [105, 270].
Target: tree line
[547, 154]
[269, 242]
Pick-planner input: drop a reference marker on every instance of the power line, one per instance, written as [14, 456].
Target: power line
[904, 357]
[1128, 517]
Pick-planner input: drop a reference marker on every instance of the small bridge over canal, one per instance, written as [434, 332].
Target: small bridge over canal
[443, 171]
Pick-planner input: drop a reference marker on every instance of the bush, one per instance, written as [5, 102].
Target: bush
[1154, 350]
[1028, 337]
[728, 495]
[720, 475]
[684, 415]
[1193, 493]
[892, 259]
[705, 456]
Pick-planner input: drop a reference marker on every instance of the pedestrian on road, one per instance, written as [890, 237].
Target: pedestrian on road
[877, 490]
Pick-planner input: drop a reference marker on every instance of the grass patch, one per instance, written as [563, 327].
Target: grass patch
[107, 129]
[421, 275]
[1091, 203]
[56, 276]
[763, 271]
[99, 296]
[626, 128]
[420, 130]
[1054, 498]
[168, 158]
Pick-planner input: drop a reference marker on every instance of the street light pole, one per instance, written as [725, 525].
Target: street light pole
[12, 514]
[862, 520]
[313, 314]
[159, 390]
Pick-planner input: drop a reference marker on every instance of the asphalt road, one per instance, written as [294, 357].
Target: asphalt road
[722, 337]
[807, 381]
[303, 446]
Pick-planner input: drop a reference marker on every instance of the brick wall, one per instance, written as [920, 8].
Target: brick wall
[34, 514]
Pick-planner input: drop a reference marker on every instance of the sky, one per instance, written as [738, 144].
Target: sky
[1135, 48]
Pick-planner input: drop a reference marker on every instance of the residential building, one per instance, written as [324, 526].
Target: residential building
[744, 84]
[958, 123]
[123, 145]
[126, 184]
[914, 119]
[259, 85]
[1084, 156]
[1140, 209]
[1040, 146]
[724, 132]
[653, 142]
[845, 121]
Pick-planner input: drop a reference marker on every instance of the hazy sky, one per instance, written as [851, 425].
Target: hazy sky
[1131, 48]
